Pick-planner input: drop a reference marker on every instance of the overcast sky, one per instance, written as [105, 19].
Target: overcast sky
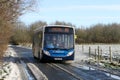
[78, 12]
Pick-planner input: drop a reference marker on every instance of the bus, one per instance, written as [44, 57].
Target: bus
[54, 42]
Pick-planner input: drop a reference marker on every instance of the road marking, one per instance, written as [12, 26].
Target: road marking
[65, 70]
[36, 72]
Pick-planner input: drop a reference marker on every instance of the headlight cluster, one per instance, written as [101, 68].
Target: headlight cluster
[46, 52]
[70, 53]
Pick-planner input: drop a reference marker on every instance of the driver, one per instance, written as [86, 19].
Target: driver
[54, 41]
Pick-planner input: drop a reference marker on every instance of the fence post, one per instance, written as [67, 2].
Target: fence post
[98, 55]
[101, 54]
[110, 54]
[82, 48]
[89, 51]
[95, 54]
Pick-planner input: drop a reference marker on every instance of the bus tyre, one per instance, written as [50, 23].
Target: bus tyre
[35, 57]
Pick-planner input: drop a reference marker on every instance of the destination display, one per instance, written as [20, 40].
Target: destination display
[59, 29]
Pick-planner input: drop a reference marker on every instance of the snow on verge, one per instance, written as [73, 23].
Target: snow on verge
[14, 74]
[10, 70]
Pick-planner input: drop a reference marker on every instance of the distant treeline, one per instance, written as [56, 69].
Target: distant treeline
[24, 34]
[99, 33]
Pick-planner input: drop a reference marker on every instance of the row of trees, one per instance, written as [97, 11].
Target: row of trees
[10, 10]
[99, 33]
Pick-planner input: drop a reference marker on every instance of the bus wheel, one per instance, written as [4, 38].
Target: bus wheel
[35, 57]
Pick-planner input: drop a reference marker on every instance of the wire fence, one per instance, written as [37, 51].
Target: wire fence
[110, 53]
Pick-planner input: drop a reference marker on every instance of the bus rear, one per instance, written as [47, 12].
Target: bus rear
[58, 43]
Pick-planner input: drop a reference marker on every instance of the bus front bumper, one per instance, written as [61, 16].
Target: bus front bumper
[46, 57]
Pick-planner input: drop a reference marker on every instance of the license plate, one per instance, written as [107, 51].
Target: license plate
[57, 58]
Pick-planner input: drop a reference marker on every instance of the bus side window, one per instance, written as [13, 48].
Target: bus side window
[35, 40]
[40, 39]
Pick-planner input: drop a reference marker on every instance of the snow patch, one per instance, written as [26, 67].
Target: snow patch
[10, 70]
[14, 73]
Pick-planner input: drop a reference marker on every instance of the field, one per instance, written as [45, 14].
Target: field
[86, 51]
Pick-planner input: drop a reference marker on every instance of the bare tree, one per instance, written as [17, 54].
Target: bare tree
[10, 10]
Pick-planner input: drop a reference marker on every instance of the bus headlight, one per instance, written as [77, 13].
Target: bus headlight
[70, 53]
[47, 53]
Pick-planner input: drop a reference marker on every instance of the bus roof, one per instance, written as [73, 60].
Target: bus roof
[41, 28]
[58, 26]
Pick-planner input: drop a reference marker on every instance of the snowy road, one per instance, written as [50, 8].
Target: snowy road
[59, 70]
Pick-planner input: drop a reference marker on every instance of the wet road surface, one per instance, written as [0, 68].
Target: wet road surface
[60, 70]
